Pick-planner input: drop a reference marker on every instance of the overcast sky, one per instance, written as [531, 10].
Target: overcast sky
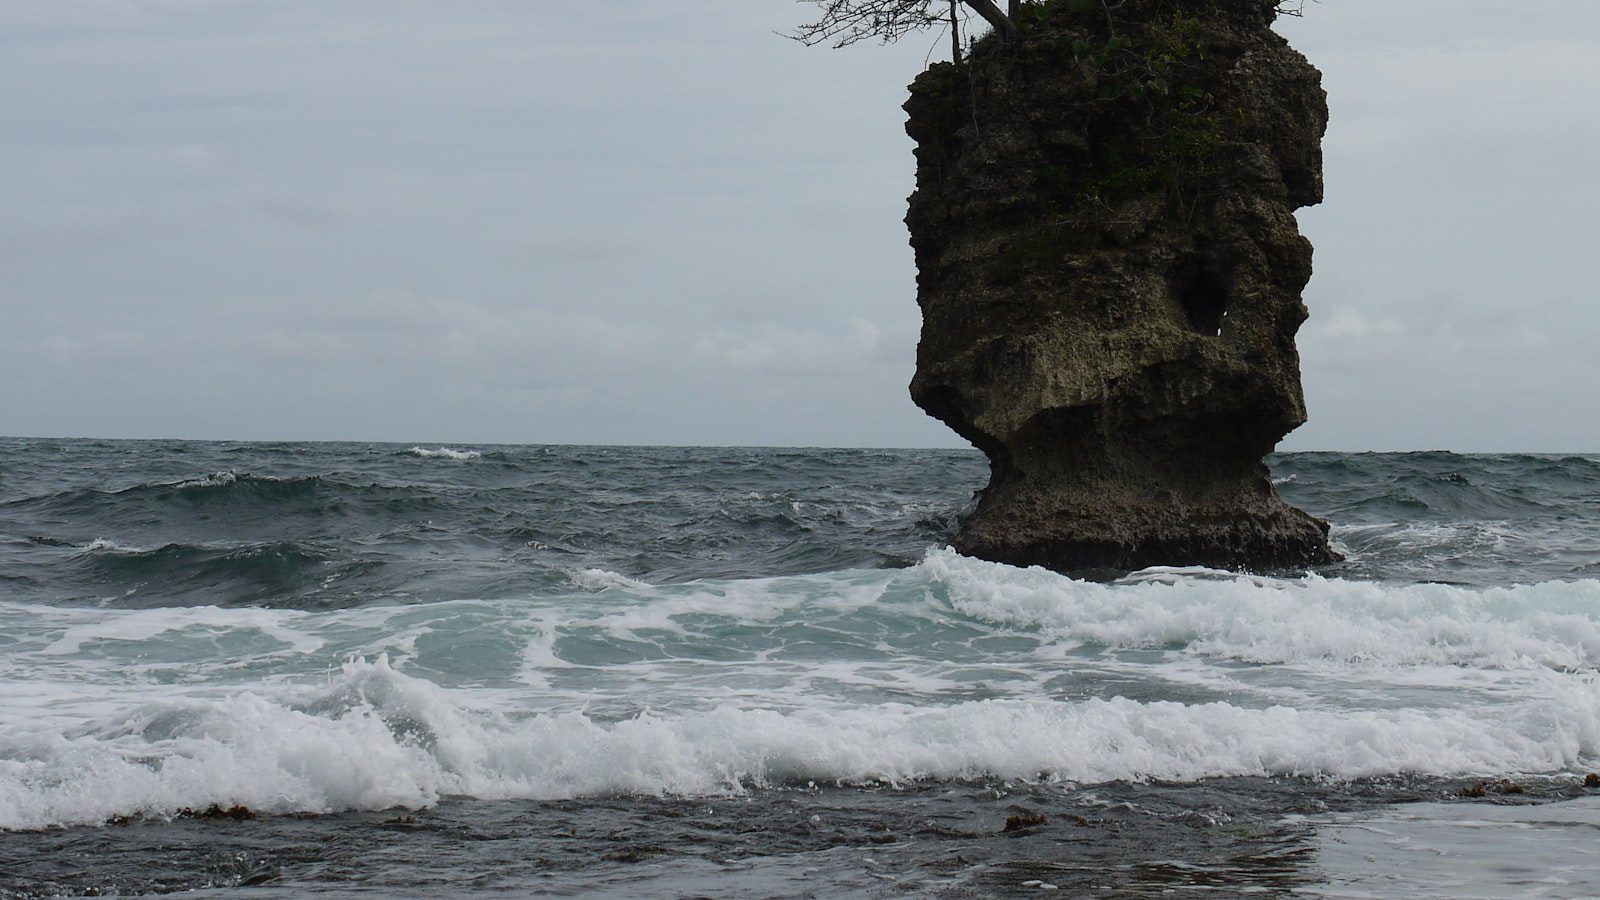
[633, 221]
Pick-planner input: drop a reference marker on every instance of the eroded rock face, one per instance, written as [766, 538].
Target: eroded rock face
[1110, 273]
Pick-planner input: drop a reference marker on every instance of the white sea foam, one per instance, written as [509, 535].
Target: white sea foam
[445, 453]
[374, 738]
[538, 654]
[605, 579]
[143, 624]
[101, 545]
[747, 602]
[215, 479]
[1263, 620]
[953, 668]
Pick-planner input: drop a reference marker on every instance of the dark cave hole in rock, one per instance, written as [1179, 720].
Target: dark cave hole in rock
[1202, 295]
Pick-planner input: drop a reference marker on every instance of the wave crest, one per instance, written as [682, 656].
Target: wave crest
[375, 738]
[445, 453]
[1269, 620]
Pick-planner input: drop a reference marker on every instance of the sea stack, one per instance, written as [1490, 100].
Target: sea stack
[1110, 276]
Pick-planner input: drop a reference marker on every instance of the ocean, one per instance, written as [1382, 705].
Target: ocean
[381, 669]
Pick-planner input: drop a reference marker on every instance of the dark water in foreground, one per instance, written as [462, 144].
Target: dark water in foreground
[733, 672]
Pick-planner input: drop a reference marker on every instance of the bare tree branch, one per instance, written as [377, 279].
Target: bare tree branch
[845, 22]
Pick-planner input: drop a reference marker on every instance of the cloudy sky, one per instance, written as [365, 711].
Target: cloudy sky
[642, 222]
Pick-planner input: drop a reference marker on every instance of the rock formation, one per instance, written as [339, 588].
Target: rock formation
[1110, 271]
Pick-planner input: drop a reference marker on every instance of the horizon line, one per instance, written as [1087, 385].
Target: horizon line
[671, 446]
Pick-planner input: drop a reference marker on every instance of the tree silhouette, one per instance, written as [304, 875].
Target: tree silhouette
[844, 22]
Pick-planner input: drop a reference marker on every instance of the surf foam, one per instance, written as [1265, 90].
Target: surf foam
[444, 453]
[1266, 620]
[374, 738]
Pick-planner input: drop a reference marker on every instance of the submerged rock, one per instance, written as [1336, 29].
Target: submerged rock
[237, 812]
[1024, 821]
[1485, 788]
[1110, 271]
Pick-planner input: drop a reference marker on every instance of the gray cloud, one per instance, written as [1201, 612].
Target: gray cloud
[643, 222]
[1453, 301]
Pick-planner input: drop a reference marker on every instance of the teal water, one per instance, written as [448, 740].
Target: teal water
[733, 672]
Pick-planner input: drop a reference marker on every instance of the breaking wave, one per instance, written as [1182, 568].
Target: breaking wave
[445, 453]
[1554, 625]
[951, 670]
[375, 738]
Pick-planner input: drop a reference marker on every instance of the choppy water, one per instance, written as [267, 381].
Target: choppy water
[730, 672]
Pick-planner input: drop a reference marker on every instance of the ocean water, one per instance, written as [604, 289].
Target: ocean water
[759, 672]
